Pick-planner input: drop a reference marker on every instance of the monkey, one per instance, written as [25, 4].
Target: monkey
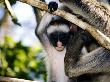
[53, 33]
[54, 47]
[94, 65]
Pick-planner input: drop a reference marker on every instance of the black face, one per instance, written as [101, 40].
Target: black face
[56, 36]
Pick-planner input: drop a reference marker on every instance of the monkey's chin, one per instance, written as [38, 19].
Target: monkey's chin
[59, 48]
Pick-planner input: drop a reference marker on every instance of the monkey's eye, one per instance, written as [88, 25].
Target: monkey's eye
[64, 38]
[52, 6]
[54, 36]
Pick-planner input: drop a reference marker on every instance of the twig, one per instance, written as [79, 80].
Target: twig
[14, 18]
[10, 8]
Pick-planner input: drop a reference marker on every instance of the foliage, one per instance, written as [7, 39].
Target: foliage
[20, 61]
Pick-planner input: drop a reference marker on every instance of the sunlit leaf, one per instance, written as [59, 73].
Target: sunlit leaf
[16, 69]
[21, 55]
[10, 72]
[4, 63]
[33, 64]
[10, 41]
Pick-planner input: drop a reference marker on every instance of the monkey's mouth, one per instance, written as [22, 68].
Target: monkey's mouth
[61, 48]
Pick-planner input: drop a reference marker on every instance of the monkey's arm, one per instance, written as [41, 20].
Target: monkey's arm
[41, 29]
[97, 61]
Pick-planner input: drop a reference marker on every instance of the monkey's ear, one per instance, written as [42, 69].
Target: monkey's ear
[73, 28]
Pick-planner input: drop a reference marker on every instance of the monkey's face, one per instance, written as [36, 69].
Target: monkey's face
[58, 34]
[59, 40]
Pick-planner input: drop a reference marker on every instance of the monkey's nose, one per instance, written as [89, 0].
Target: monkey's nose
[59, 44]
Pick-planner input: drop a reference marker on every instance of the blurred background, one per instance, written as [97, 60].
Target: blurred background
[21, 54]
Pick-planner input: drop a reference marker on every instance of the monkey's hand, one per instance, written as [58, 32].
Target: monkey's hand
[52, 6]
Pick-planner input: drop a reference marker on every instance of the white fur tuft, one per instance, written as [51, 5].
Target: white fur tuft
[52, 28]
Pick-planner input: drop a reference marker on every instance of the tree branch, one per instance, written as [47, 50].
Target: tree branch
[95, 12]
[9, 79]
[99, 36]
